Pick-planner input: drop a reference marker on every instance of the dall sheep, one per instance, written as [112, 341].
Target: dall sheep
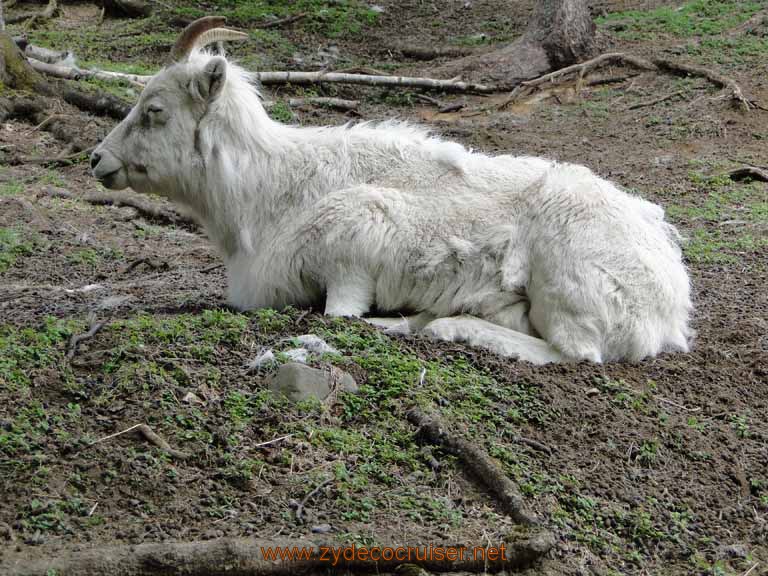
[533, 259]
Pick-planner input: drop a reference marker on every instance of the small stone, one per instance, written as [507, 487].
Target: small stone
[321, 529]
[191, 398]
[298, 382]
[592, 391]
[732, 551]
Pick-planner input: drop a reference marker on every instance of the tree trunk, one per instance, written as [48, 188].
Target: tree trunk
[15, 72]
[560, 33]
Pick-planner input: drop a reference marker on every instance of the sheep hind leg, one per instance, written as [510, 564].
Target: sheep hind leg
[402, 324]
[503, 341]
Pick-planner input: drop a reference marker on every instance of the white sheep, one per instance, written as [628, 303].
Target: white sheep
[530, 258]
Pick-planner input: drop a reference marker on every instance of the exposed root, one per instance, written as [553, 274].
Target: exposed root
[477, 461]
[76, 339]
[151, 437]
[308, 497]
[246, 557]
[46, 14]
[145, 207]
[653, 65]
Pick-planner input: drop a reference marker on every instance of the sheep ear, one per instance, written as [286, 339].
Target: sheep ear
[210, 81]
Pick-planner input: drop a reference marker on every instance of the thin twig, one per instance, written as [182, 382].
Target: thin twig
[76, 339]
[273, 441]
[151, 437]
[300, 507]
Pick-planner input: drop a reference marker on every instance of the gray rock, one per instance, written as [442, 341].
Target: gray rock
[298, 382]
[321, 528]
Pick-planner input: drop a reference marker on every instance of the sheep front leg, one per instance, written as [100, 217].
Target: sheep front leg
[349, 294]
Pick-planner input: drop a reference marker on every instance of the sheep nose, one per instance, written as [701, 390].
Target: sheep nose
[95, 159]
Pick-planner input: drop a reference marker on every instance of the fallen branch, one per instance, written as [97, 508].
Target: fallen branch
[75, 73]
[744, 172]
[146, 208]
[305, 78]
[245, 557]
[151, 437]
[76, 339]
[478, 462]
[653, 65]
[101, 104]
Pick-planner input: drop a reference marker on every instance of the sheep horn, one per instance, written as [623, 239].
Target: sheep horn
[189, 36]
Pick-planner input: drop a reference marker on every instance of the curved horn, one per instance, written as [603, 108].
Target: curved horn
[188, 38]
[219, 35]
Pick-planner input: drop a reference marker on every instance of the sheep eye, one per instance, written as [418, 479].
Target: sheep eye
[154, 109]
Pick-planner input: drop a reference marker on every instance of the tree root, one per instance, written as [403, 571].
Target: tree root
[478, 462]
[652, 65]
[145, 207]
[76, 339]
[46, 14]
[248, 557]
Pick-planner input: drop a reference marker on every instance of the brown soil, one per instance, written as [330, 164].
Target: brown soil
[666, 460]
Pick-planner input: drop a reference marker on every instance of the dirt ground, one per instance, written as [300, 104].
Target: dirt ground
[659, 467]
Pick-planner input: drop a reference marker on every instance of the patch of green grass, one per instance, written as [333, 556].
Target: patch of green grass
[696, 18]
[331, 18]
[281, 112]
[13, 247]
[26, 350]
[728, 218]
[11, 188]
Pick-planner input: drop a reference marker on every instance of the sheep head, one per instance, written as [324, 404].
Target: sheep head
[162, 129]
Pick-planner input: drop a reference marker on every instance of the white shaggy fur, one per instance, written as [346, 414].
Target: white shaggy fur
[533, 259]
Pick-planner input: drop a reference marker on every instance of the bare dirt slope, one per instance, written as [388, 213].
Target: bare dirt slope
[660, 467]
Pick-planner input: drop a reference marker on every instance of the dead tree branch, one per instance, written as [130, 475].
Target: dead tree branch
[146, 208]
[75, 73]
[745, 172]
[100, 104]
[245, 557]
[305, 78]
[477, 461]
